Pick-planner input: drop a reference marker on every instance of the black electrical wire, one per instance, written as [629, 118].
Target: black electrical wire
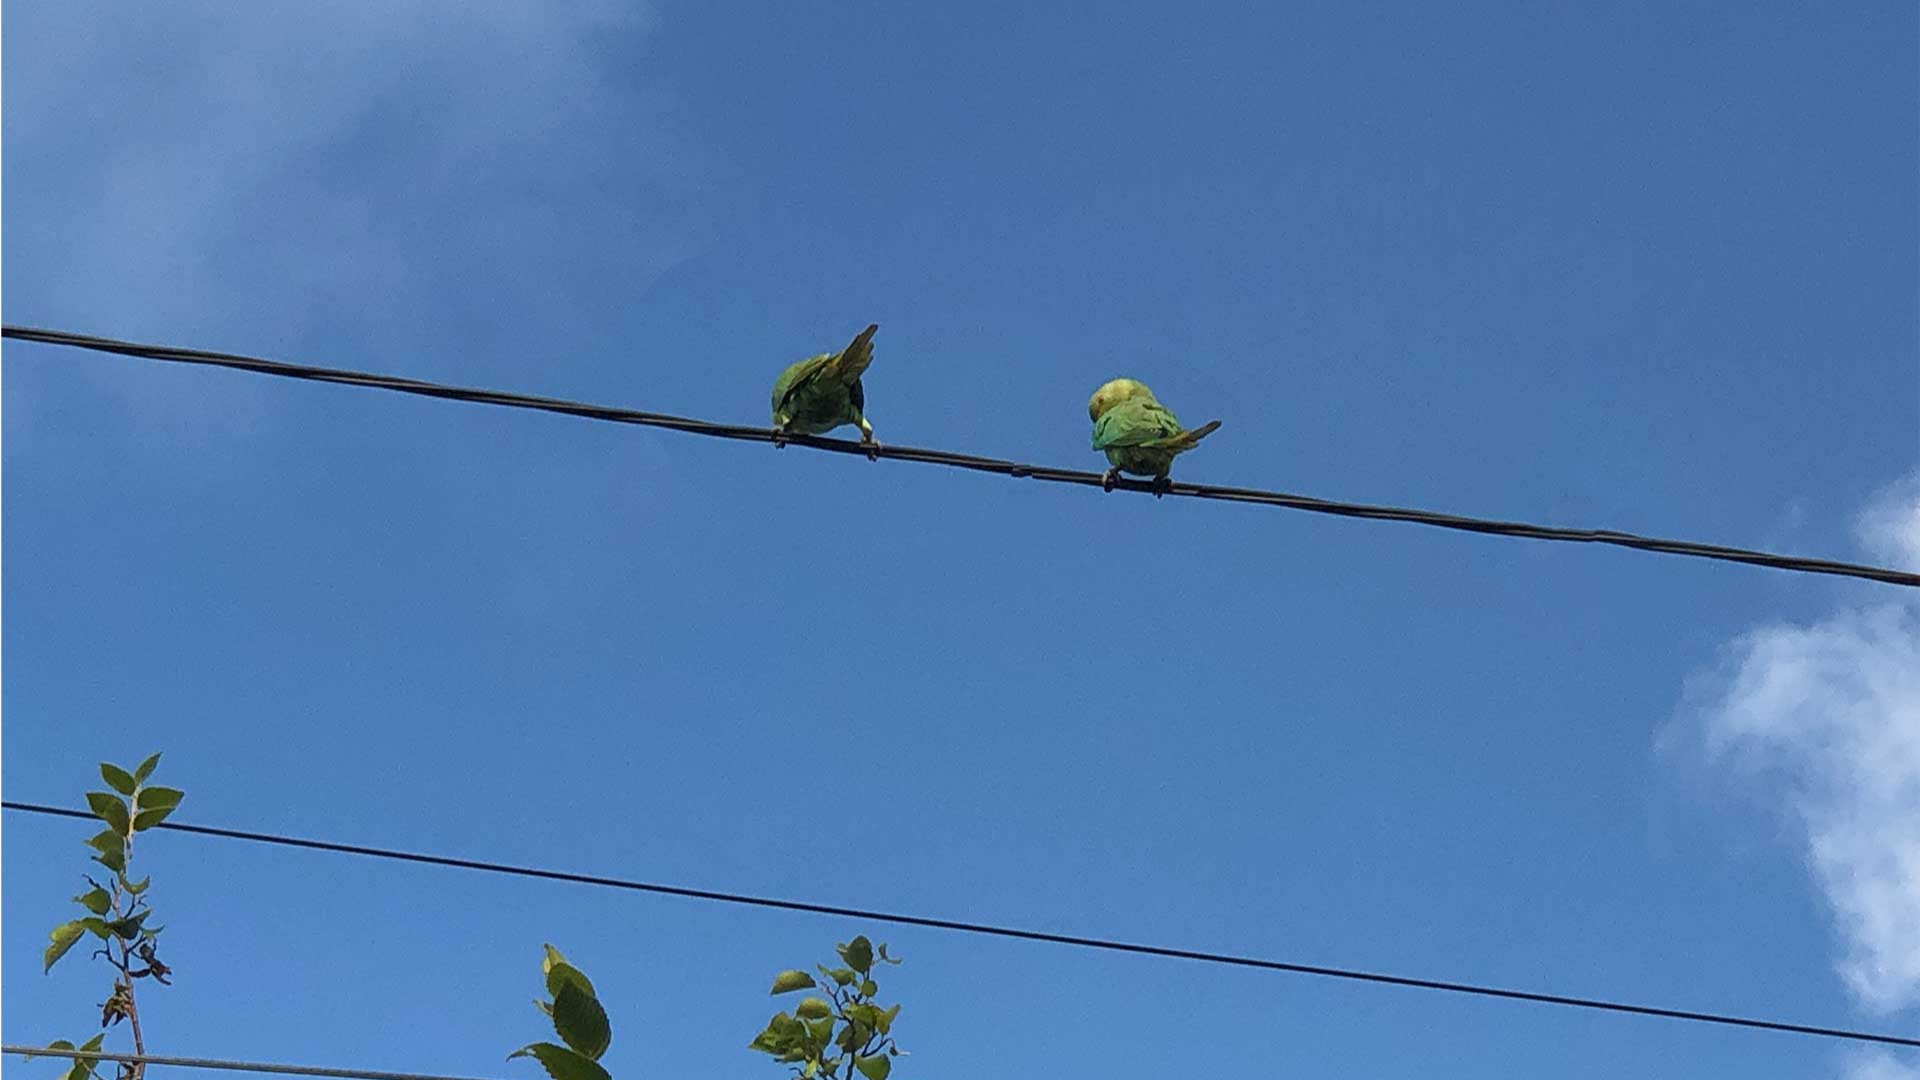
[999, 931]
[966, 461]
[275, 1068]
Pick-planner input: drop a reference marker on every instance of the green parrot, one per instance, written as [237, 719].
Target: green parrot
[1139, 435]
[816, 395]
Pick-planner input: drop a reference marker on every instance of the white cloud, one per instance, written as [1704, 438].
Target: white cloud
[1880, 1065]
[269, 171]
[1890, 528]
[459, 189]
[468, 190]
[1826, 719]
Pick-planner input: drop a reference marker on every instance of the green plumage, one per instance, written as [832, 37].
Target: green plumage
[820, 393]
[1138, 434]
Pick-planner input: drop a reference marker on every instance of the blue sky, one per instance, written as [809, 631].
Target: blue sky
[1652, 269]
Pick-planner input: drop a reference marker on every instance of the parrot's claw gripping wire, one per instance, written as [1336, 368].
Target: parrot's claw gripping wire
[1107, 479]
[872, 445]
[1162, 485]
[779, 439]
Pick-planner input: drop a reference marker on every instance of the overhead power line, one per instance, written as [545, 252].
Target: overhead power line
[964, 927]
[964, 461]
[216, 1063]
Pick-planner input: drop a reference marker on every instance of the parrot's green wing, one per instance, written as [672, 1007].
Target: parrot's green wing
[844, 368]
[1135, 422]
[797, 376]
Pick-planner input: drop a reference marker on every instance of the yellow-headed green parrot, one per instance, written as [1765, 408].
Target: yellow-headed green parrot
[1140, 435]
[816, 395]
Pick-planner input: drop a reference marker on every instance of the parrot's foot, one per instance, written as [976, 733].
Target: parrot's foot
[1161, 485]
[1107, 480]
[872, 445]
[779, 439]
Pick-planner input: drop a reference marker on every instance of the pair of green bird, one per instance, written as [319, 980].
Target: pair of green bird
[1138, 434]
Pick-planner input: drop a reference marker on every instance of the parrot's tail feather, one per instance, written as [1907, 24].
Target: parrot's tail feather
[1187, 440]
[852, 361]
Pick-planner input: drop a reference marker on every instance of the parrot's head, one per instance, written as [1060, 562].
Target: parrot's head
[1115, 392]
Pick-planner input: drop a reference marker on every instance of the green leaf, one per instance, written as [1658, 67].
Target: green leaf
[788, 981]
[146, 769]
[57, 1044]
[819, 1032]
[812, 1068]
[136, 887]
[545, 1007]
[561, 1063]
[96, 927]
[562, 974]
[81, 1073]
[797, 1036]
[148, 933]
[112, 847]
[886, 1018]
[858, 954]
[868, 988]
[812, 1009]
[765, 1042]
[551, 958]
[885, 957]
[155, 798]
[874, 1068]
[118, 779]
[782, 1038]
[147, 819]
[111, 809]
[80, 1070]
[580, 1022]
[843, 976]
[128, 928]
[62, 939]
[95, 900]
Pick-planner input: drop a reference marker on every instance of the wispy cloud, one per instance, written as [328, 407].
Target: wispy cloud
[465, 189]
[1880, 1065]
[273, 169]
[1890, 528]
[1824, 718]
